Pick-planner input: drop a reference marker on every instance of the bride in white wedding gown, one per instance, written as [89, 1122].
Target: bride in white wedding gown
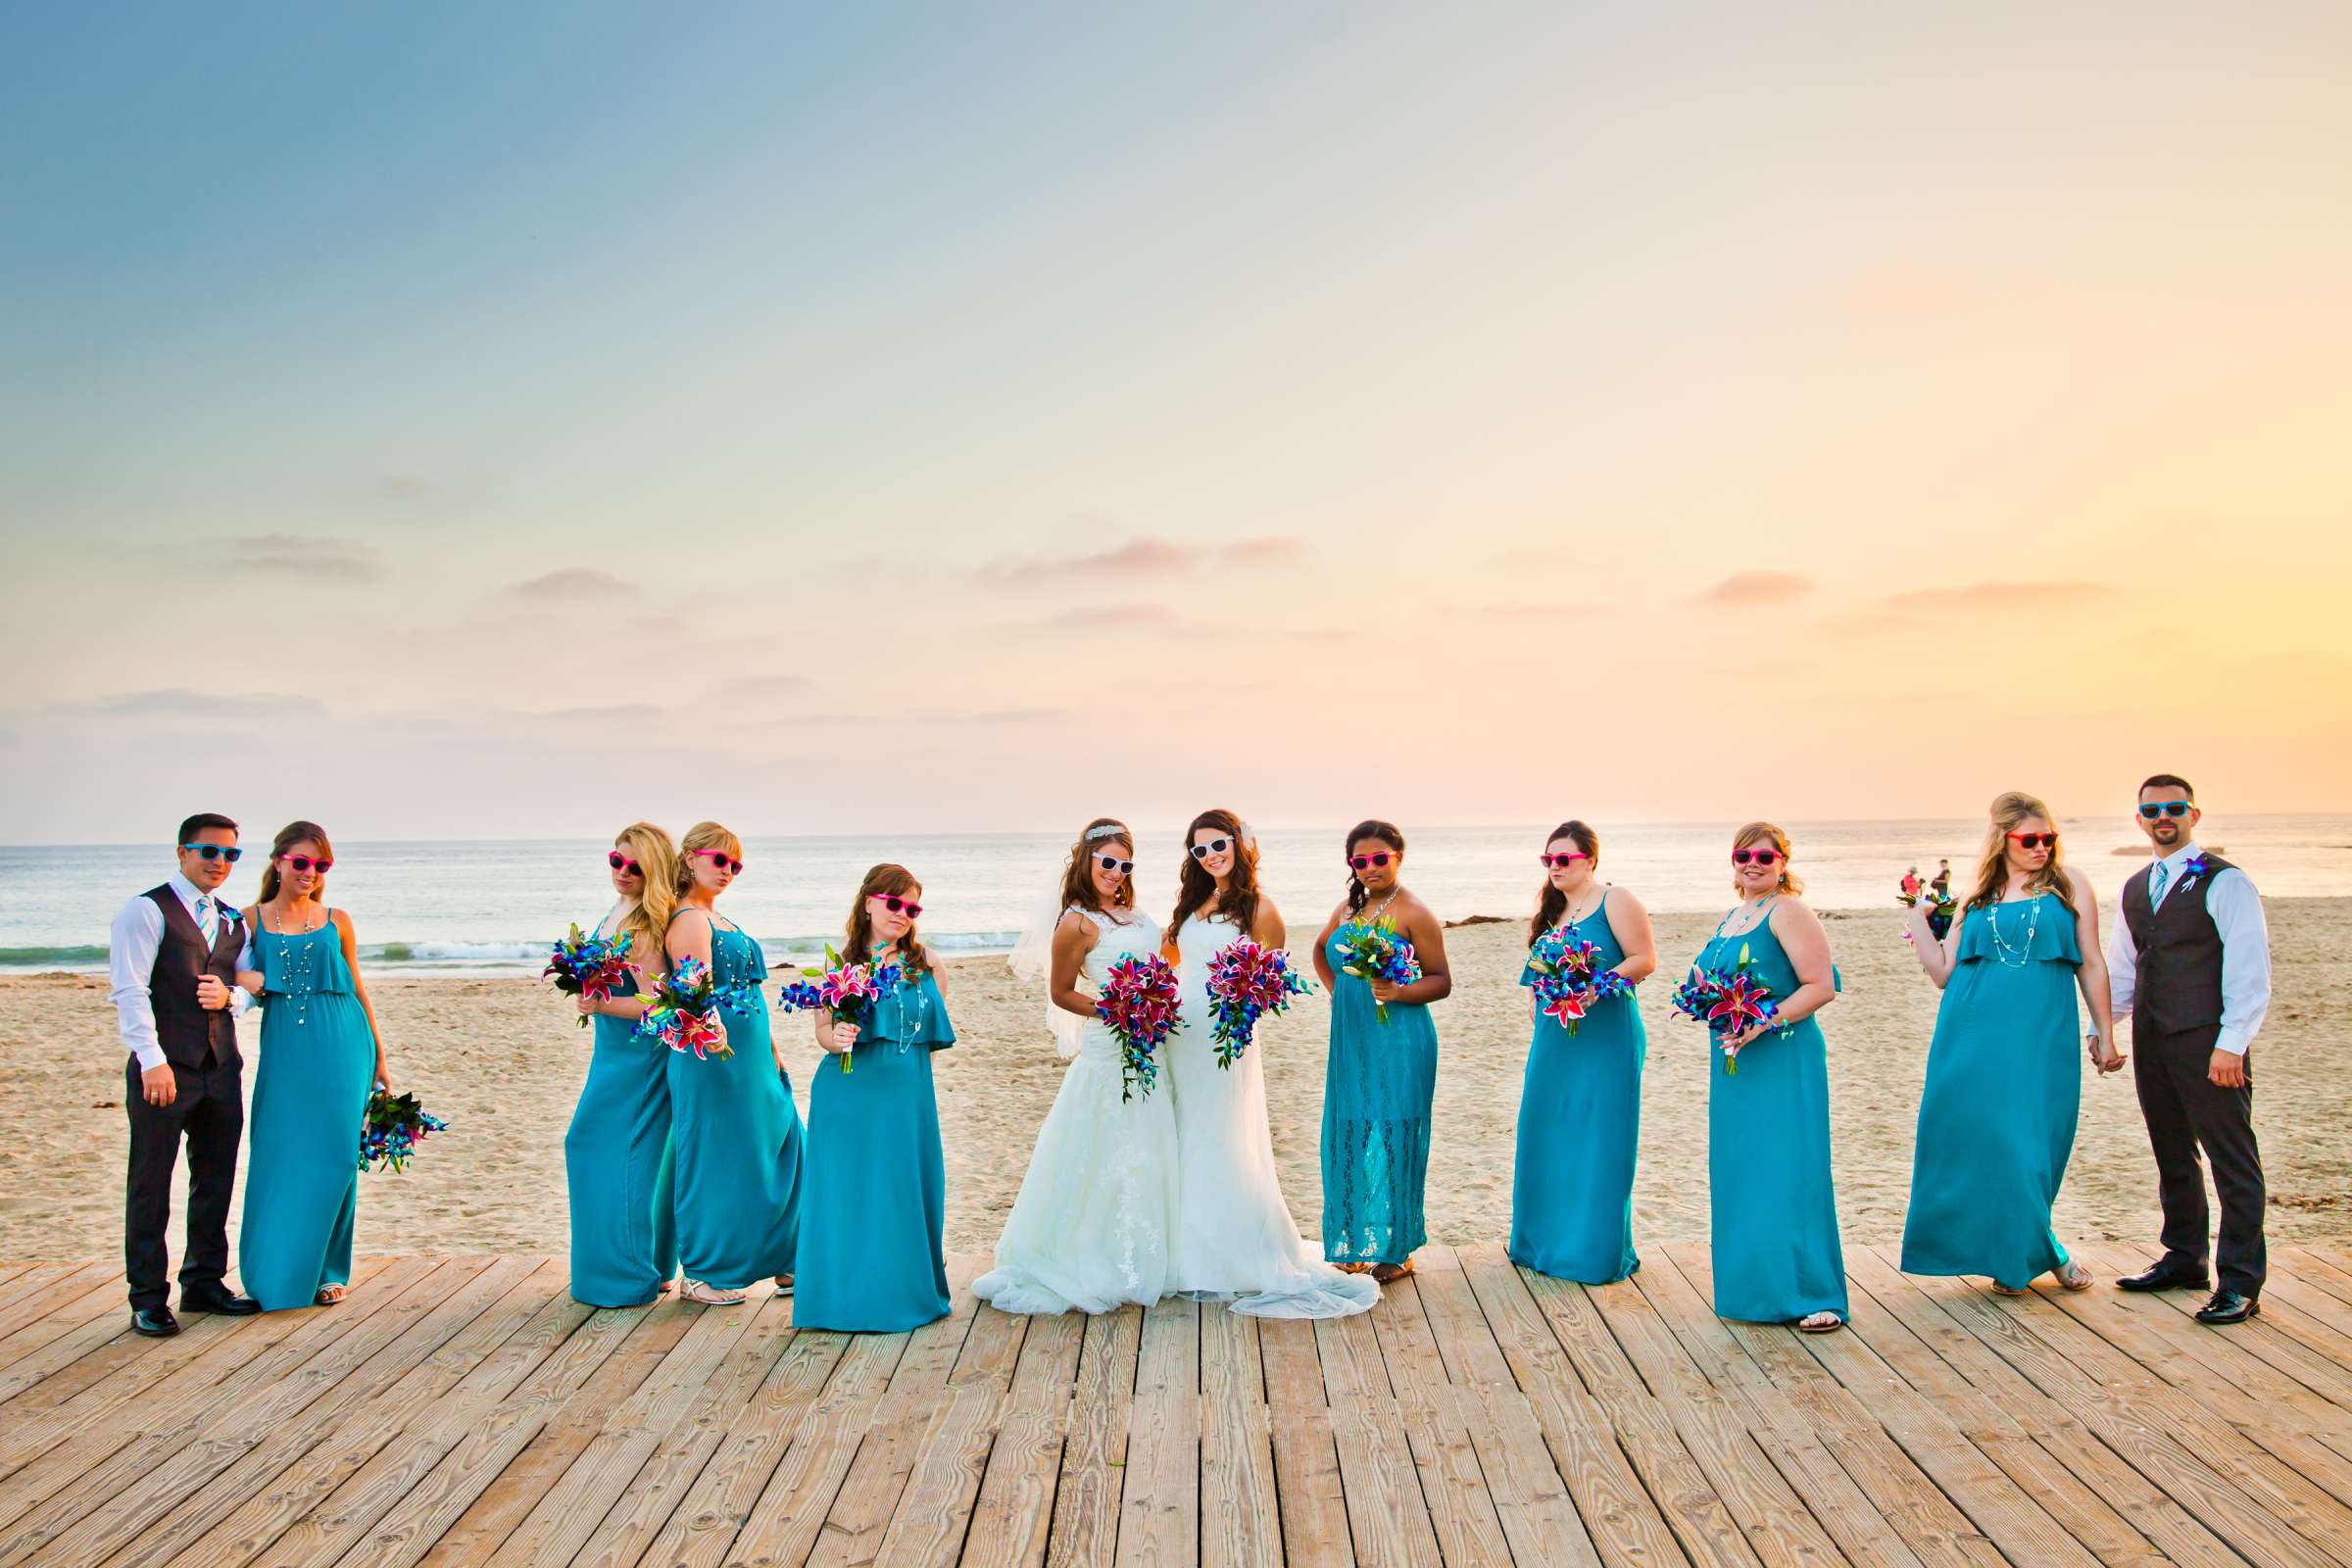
[1096, 1212]
[1235, 1237]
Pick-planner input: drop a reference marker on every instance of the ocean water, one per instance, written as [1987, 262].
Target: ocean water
[492, 907]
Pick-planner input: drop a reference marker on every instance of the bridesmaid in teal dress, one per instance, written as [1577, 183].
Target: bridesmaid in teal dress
[321, 1054]
[624, 1234]
[874, 1207]
[735, 1135]
[1380, 1078]
[1580, 1112]
[1996, 1117]
[1774, 1211]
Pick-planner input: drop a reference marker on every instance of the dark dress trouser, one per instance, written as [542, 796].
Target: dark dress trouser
[2187, 1111]
[211, 1112]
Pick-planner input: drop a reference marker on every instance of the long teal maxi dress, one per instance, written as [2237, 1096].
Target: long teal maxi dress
[616, 1164]
[1580, 1123]
[874, 1207]
[735, 1135]
[1378, 1082]
[1996, 1117]
[310, 1101]
[1773, 1207]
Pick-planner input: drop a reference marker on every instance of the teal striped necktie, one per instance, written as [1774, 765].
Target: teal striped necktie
[2156, 882]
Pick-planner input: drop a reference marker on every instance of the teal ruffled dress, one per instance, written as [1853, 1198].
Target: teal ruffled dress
[1380, 1081]
[735, 1135]
[310, 1102]
[616, 1165]
[874, 1207]
[1580, 1125]
[1773, 1206]
[2004, 1087]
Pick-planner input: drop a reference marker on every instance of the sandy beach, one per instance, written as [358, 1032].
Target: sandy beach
[501, 1060]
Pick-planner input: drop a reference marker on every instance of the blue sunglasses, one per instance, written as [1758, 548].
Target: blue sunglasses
[215, 851]
[2152, 809]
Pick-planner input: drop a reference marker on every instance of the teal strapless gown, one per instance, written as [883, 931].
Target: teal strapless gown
[310, 1101]
[874, 1207]
[1996, 1117]
[616, 1164]
[1378, 1082]
[1580, 1123]
[1773, 1207]
[735, 1137]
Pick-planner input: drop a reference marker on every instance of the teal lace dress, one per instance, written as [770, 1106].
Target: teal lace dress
[1380, 1081]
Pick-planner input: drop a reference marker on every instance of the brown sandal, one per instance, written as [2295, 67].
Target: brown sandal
[1390, 1273]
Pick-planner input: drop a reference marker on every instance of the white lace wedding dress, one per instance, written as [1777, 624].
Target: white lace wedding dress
[1098, 1206]
[1234, 1234]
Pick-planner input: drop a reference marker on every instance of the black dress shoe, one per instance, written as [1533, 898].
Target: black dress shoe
[155, 1322]
[2166, 1276]
[216, 1299]
[2228, 1306]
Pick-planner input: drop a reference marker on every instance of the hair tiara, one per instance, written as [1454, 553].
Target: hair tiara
[1108, 830]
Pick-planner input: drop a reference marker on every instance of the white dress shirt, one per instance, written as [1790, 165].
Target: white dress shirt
[2236, 911]
[132, 945]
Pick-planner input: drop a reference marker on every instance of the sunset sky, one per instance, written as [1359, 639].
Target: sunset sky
[842, 417]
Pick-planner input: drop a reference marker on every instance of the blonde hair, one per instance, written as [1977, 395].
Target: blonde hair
[702, 836]
[1790, 883]
[658, 858]
[2009, 809]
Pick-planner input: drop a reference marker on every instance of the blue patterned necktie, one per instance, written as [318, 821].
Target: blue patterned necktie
[2156, 882]
[206, 920]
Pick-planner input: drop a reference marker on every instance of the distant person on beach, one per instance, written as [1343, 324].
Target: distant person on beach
[173, 957]
[1943, 879]
[2191, 962]
[1911, 886]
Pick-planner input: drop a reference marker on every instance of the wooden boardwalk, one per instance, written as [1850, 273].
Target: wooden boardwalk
[464, 1410]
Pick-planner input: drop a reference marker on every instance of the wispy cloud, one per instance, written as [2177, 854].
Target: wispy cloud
[573, 585]
[1757, 588]
[758, 688]
[297, 556]
[185, 703]
[1996, 595]
[1110, 619]
[1146, 557]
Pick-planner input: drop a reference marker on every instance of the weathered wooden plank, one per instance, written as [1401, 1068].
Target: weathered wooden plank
[859, 1520]
[702, 1527]
[1310, 1497]
[313, 1511]
[783, 1525]
[532, 1456]
[1240, 1521]
[934, 1511]
[101, 1302]
[57, 1291]
[110, 1460]
[570, 1512]
[303, 1459]
[1013, 1511]
[1159, 1510]
[1624, 1524]
[412, 1496]
[1453, 1483]
[1094, 1452]
[2144, 1440]
[1388, 1517]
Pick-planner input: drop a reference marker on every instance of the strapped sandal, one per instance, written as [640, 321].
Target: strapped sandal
[1824, 1322]
[783, 1285]
[701, 1294]
[1392, 1271]
[330, 1295]
[2073, 1277]
[1999, 1289]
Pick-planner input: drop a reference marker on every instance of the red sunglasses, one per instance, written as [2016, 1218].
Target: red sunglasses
[303, 862]
[621, 863]
[2035, 841]
[1760, 856]
[720, 863]
[898, 906]
[1560, 862]
[1359, 862]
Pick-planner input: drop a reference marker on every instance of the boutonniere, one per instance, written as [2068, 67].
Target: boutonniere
[2195, 867]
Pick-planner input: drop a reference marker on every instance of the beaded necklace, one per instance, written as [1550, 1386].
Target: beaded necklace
[302, 983]
[898, 1002]
[2000, 944]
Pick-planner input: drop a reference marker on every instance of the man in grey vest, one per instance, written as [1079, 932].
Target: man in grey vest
[173, 957]
[2190, 961]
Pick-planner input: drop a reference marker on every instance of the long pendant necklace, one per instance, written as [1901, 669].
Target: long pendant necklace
[2000, 944]
[299, 986]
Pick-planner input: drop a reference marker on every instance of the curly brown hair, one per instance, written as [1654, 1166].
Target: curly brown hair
[1078, 877]
[857, 939]
[1195, 887]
